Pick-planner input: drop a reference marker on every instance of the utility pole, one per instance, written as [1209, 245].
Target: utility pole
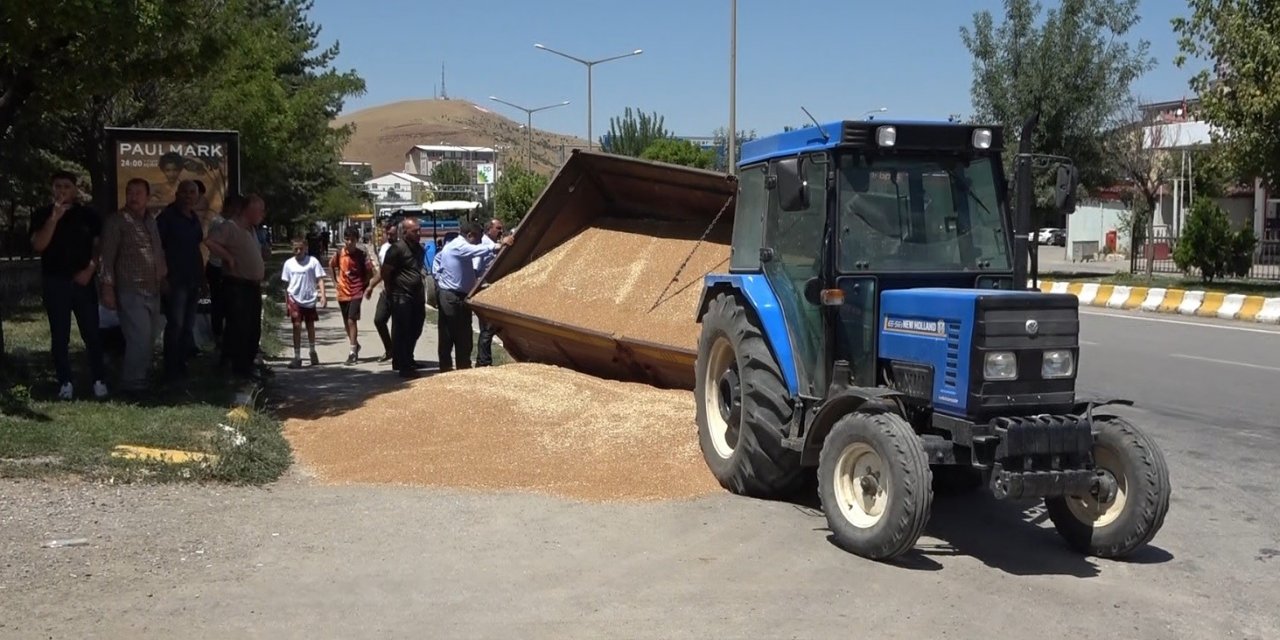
[733, 88]
[589, 64]
[529, 123]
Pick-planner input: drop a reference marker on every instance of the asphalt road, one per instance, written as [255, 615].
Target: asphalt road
[300, 560]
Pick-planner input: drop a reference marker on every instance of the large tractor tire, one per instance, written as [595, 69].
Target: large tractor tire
[1118, 526]
[743, 407]
[875, 484]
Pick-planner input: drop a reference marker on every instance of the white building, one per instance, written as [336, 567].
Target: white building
[421, 159]
[395, 187]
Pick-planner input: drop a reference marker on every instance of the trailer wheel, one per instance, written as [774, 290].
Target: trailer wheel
[875, 484]
[1131, 518]
[743, 406]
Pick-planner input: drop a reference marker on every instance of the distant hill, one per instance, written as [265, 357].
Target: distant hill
[384, 133]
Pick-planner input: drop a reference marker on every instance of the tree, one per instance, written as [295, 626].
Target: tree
[1137, 150]
[631, 133]
[682, 152]
[1241, 40]
[721, 138]
[515, 193]
[340, 202]
[1209, 245]
[1075, 68]
[449, 174]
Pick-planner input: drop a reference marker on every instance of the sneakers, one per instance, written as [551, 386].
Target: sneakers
[66, 391]
[354, 356]
[315, 359]
[296, 363]
[99, 389]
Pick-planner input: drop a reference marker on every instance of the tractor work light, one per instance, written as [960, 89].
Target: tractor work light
[982, 139]
[886, 136]
[1000, 365]
[1057, 363]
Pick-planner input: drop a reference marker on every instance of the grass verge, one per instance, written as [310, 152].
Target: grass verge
[42, 436]
[1248, 287]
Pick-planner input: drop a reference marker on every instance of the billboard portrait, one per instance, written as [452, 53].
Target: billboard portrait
[166, 157]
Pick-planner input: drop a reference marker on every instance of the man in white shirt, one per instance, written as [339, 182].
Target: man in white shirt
[455, 272]
[305, 276]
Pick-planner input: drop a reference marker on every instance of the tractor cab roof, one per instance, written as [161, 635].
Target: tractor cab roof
[909, 135]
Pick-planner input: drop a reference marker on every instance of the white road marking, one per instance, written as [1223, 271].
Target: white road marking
[1188, 323]
[1088, 343]
[1230, 362]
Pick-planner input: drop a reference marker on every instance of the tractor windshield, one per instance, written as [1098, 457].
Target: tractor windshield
[920, 214]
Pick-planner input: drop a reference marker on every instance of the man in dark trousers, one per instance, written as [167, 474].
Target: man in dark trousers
[402, 276]
[484, 346]
[182, 234]
[66, 236]
[455, 273]
[236, 242]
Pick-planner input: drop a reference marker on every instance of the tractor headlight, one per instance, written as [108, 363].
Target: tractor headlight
[1000, 365]
[1058, 363]
[982, 139]
[886, 136]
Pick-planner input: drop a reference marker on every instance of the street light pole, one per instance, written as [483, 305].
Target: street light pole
[733, 88]
[589, 64]
[529, 127]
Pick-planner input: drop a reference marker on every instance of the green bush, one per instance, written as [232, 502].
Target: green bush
[1208, 244]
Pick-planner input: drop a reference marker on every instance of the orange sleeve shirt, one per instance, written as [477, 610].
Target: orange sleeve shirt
[352, 274]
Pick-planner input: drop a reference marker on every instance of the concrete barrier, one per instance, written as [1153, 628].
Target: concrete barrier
[1210, 304]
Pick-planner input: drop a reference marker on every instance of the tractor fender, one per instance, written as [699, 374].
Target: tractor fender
[834, 407]
[1085, 408]
[760, 300]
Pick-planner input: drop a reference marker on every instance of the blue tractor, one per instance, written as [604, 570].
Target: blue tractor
[876, 322]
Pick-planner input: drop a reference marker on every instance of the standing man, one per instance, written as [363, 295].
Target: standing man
[382, 314]
[402, 272]
[484, 346]
[213, 276]
[236, 242]
[66, 234]
[134, 270]
[182, 236]
[352, 269]
[455, 278]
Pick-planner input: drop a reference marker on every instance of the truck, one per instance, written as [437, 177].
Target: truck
[875, 319]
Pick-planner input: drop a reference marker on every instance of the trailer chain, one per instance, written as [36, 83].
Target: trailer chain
[689, 257]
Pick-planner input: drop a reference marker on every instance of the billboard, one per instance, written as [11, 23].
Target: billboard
[484, 173]
[166, 157]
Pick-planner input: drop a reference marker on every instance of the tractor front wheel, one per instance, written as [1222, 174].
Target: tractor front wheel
[1133, 510]
[875, 484]
[743, 406]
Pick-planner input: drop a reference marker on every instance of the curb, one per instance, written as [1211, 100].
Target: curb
[1205, 304]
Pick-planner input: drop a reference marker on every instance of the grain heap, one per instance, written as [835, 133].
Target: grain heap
[538, 428]
[613, 277]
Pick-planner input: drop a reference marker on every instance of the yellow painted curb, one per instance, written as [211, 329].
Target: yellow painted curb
[1137, 295]
[1074, 288]
[170, 456]
[1251, 307]
[1104, 294]
[1046, 286]
[1172, 300]
[1212, 302]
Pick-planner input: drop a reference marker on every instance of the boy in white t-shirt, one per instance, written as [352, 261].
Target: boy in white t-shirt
[305, 276]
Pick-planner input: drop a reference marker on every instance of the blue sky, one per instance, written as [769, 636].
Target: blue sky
[838, 58]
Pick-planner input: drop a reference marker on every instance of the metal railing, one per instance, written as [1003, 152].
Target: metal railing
[1266, 257]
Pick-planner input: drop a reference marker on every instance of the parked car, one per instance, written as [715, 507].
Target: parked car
[1052, 236]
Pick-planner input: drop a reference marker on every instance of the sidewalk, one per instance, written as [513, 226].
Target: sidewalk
[332, 387]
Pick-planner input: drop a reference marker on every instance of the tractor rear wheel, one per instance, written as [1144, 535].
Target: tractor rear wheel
[875, 484]
[1118, 525]
[743, 406]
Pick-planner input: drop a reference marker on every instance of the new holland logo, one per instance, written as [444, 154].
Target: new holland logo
[915, 326]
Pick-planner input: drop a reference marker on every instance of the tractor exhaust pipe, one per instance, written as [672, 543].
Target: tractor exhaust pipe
[1023, 249]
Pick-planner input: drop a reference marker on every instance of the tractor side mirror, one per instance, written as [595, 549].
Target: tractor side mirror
[1064, 194]
[793, 194]
[813, 291]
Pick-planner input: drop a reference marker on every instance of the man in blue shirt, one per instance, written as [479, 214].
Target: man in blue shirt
[455, 274]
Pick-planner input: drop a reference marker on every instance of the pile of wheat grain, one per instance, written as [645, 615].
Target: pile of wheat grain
[515, 427]
[621, 277]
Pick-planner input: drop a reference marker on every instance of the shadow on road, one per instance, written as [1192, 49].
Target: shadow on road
[1002, 535]
[332, 389]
